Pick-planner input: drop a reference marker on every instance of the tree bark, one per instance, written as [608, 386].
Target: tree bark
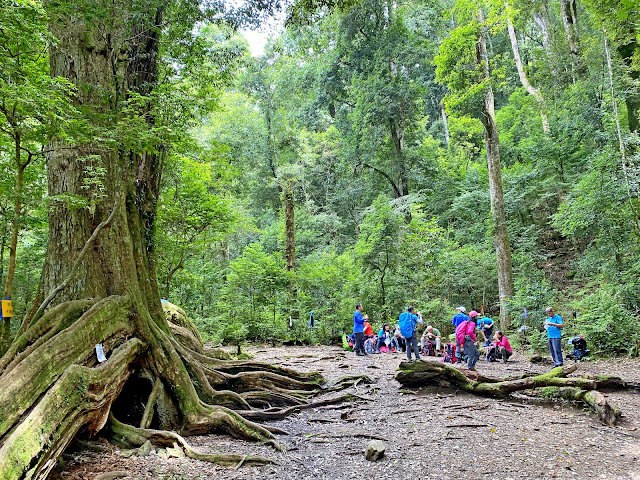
[570, 22]
[541, 17]
[397, 138]
[289, 228]
[632, 100]
[531, 90]
[492, 144]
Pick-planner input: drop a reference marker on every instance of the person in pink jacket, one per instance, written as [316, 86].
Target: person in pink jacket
[503, 349]
[466, 336]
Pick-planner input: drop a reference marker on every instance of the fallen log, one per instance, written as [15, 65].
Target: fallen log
[596, 401]
[552, 384]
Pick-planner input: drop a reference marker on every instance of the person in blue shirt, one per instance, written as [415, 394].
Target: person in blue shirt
[384, 337]
[485, 324]
[458, 318]
[358, 330]
[407, 323]
[554, 325]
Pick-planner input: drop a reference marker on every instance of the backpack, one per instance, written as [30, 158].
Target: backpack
[579, 347]
[348, 342]
[492, 355]
[428, 349]
[461, 331]
[449, 353]
[405, 325]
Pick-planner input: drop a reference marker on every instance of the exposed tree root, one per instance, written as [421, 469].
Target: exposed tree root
[553, 384]
[176, 317]
[239, 366]
[53, 386]
[348, 381]
[128, 436]
[81, 396]
[24, 384]
[218, 353]
[285, 412]
[54, 321]
[269, 399]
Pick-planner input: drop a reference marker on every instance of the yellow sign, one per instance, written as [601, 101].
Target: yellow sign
[7, 308]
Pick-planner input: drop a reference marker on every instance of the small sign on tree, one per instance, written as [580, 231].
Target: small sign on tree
[7, 308]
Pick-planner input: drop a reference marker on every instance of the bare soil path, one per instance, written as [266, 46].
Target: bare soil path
[429, 434]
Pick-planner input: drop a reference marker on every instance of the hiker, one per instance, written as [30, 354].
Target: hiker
[485, 325]
[432, 337]
[368, 329]
[370, 345]
[397, 342]
[384, 338]
[580, 350]
[466, 336]
[503, 349]
[358, 330]
[458, 318]
[554, 325]
[407, 323]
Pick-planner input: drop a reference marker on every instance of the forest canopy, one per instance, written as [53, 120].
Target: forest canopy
[349, 163]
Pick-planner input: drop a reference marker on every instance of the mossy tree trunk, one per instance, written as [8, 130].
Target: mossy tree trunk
[553, 384]
[51, 384]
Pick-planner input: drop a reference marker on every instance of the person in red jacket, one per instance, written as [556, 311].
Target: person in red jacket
[368, 330]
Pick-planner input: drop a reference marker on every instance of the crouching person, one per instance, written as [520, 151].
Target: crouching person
[503, 349]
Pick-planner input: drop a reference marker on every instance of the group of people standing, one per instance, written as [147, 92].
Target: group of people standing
[468, 329]
[465, 336]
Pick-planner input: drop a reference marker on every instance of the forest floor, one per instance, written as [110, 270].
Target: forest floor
[429, 434]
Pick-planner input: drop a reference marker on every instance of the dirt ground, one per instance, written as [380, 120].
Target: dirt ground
[429, 434]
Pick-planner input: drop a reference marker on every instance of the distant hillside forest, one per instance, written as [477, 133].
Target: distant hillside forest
[389, 153]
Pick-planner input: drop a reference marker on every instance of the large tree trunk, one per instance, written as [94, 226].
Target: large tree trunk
[627, 51]
[288, 199]
[492, 143]
[98, 284]
[445, 124]
[541, 17]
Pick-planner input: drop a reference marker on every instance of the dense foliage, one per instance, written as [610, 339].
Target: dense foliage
[357, 136]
